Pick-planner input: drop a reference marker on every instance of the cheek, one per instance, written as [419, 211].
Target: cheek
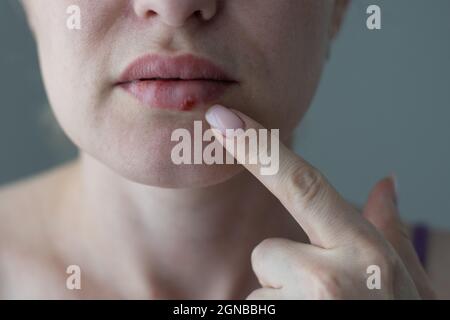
[70, 53]
[288, 42]
[71, 60]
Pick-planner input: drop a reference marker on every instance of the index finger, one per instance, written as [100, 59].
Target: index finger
[325, 216]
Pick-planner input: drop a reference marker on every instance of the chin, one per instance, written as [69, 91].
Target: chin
[137, 144]
[164, 174]
[145, 158]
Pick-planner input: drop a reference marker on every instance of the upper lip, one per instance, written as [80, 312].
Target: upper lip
[183, 67]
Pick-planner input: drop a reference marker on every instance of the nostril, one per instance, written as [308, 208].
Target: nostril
[198, 14]
[150, 13]
[202, 15]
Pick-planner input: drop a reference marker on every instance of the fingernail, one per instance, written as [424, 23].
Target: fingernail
[395, 184]
[222, 118]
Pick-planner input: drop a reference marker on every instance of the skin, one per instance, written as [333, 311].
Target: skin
[140, 226]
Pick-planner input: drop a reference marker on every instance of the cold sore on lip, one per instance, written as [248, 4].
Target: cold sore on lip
[180, 95]
[176, 83]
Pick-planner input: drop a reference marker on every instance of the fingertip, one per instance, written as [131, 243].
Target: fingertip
[222, 118]
[394, 182]
[385, 189]
[382, 199]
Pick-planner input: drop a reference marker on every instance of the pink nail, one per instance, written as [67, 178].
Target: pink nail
[222, 118]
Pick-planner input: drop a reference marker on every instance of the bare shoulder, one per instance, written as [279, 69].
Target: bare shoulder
[438, 262]
[25, 204]
[27, 208]
[28, 195]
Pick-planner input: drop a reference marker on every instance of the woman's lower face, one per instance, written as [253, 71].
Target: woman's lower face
[272, 53]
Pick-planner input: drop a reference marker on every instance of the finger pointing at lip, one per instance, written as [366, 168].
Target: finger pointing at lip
[324, 215]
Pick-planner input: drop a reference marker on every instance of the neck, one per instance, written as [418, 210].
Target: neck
[178, 243]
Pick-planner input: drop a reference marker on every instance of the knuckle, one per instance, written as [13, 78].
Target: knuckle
[305, 185]
[260, 252]
[298, 263]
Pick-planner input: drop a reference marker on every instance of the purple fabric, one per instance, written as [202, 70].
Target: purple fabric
[420, 242]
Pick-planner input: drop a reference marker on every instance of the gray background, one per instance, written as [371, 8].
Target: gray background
[382, 107]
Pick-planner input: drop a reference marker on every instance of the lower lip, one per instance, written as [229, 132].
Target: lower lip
[177, 95]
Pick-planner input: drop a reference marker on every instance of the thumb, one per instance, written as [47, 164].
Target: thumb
[381, 210]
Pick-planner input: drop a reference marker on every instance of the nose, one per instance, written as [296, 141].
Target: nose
[175, 13]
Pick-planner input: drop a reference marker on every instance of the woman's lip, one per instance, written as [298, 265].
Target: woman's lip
[176, 83]
[180, 95]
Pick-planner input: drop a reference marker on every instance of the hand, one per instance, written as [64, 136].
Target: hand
[343, 242]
